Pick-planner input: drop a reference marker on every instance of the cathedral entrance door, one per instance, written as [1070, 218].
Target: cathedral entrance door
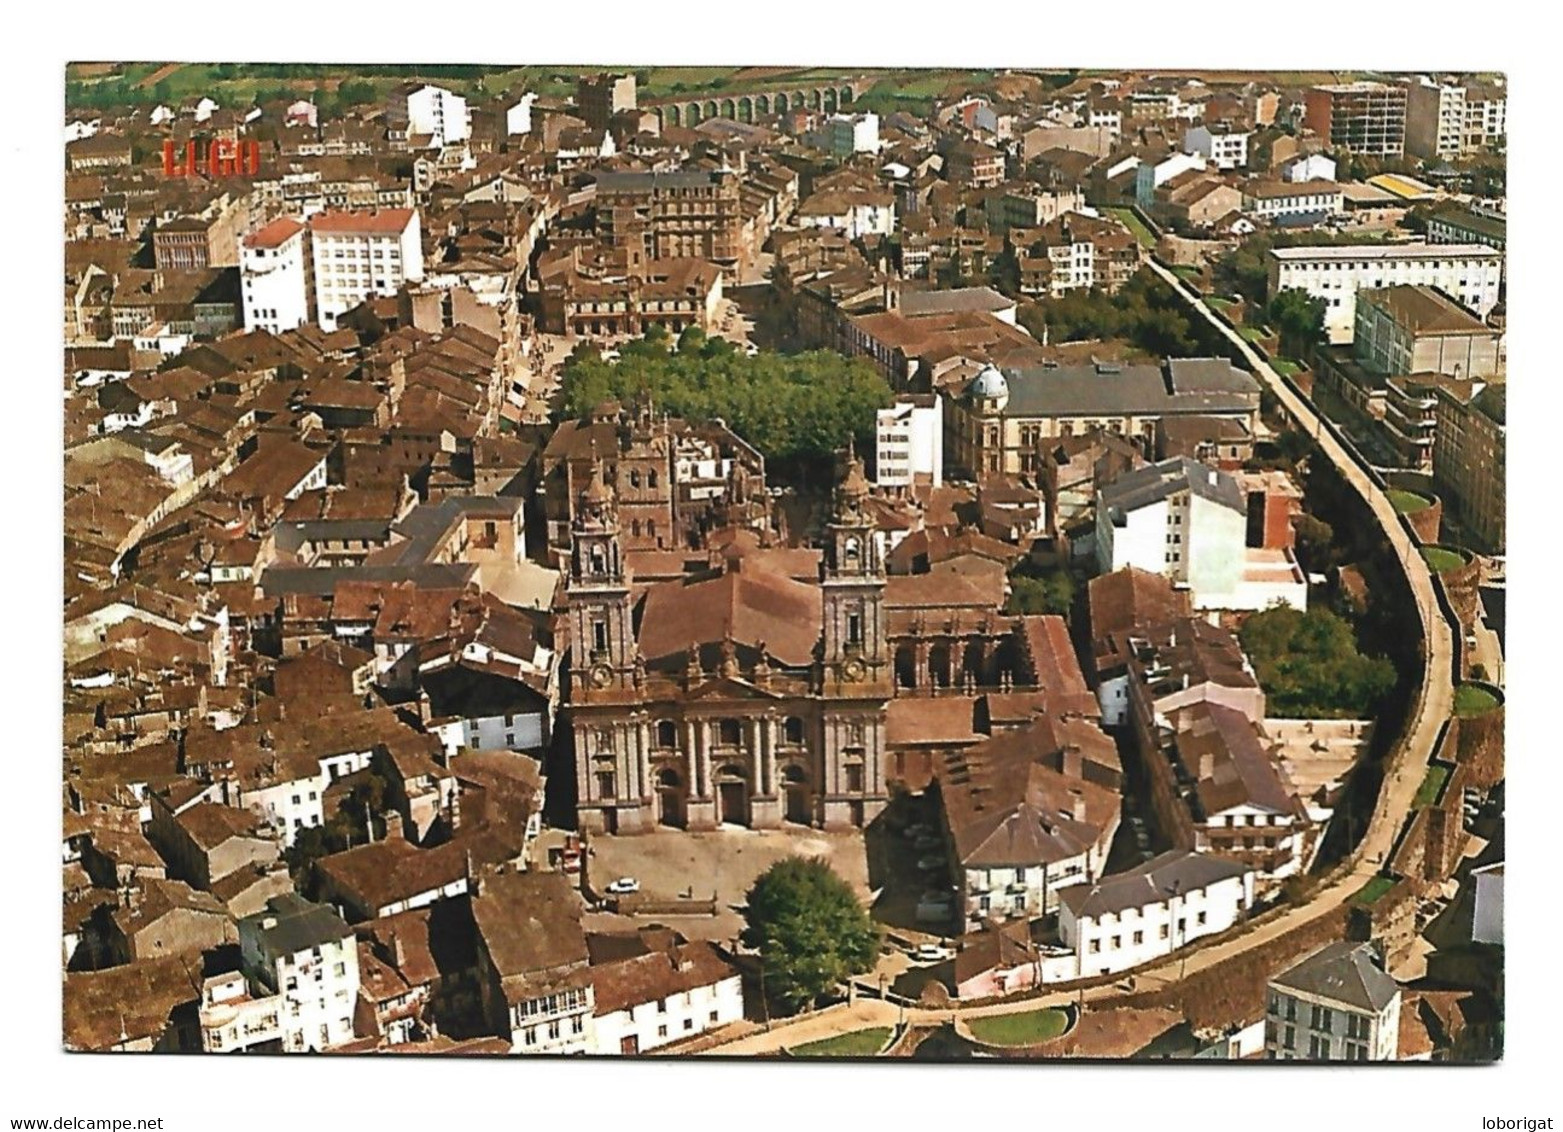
[732, 796]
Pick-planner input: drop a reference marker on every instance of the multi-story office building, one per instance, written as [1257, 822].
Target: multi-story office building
[1469, 273]
[274, 276]
[359, 254]
[1366, 118]
[1335, 1005]
[1469, 458]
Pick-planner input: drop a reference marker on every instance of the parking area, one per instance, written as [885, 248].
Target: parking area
[672, 864]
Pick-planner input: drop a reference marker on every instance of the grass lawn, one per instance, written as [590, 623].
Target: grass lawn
[1441, 561]
[1371, 891]
[1427, 793]
[1408, 502]
[1252, 334]
[1285, 366]
[1020, 1029]
[1220, 303]
[1472, 699]
[859, 1043]
[1136, 225]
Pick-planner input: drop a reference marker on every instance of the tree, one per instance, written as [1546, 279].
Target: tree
[1309, 666]
[811, 931]
[1316, 548]
[1049, 591]
[1298, 316]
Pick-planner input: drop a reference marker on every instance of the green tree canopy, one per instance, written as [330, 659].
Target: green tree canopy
[1145, 311]
[789, 406]
[1298, 316]
[811, 931]
[1309, 666]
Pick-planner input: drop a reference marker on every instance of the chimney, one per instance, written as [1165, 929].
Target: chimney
[1077, 809]
[1072, 761]
[1207, 765]
[398, 952]
[394, 827]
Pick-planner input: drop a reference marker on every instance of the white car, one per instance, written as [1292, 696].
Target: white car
[933, 953]
[624, 886]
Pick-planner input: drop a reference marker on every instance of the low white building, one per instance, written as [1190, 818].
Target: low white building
[299, 987]
[1335, 1005]
[663, 996]
[909, 441]
[1312, 167]
[1149, 176]
[856, 212]
[274, 277]
[518, 118]
[1133, 918]
[1265, 199]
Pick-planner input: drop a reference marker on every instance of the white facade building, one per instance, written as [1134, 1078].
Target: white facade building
[1273, 200]
[1179, 519]
[1133, 918]
[440, 113]
[1313, 167]
[1469, 273]
[518, 118]
[299, 803]
[1148, 177]
[300, 983]
[1335, 1005]
[1223, 147]
[651, 1000]
[274, 276]
[359, 254]
[910, 441]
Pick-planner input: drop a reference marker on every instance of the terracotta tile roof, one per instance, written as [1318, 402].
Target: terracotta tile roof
[751, 605]
[275, 234]
[658, 975]
[376, 222]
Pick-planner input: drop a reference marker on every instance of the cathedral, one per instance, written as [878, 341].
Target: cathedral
[754, 687]
[737, 695]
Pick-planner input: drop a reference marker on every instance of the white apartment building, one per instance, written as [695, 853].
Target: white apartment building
[432, 111]
[650, 1000]
[1450, 120]
[1469, 273]
[1223, 146]
[274, 276]
[298, 803]
[1132, 918]
[910, 441]
[299, 985]
[1335, 1005]
[359, 254]
[1178, 518]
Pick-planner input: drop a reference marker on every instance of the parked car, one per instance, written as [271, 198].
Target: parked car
[927, 843]
[933, 953]
[623, 886]
[919, 829]
[931, 863]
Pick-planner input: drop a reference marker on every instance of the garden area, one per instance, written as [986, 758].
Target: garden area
[1310, 667]
[1441, 560]
[1408, 502]
[1027, 1029]
[1131, 221]
[1432, 785]
[859, 1043]
[1375, 888]
[1471, 700]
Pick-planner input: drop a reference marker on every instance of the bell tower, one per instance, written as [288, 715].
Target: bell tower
[853, 581]
[855, 672]
[601, 621]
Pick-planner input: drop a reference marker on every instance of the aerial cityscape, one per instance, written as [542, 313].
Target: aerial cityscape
[784, 562]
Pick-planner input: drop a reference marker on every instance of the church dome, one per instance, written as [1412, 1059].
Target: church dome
[990, 383]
